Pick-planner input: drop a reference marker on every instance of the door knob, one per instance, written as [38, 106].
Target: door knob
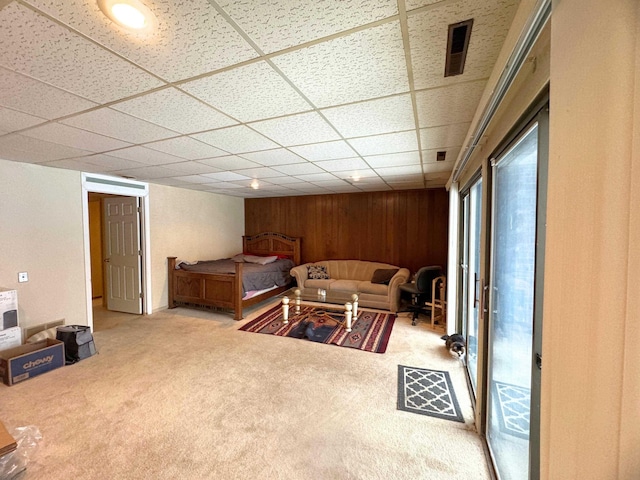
[107, 260]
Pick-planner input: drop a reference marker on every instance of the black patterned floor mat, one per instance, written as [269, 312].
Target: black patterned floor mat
[427, 392]
[513, 408]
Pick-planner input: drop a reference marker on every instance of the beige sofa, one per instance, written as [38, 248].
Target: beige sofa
[355, 276]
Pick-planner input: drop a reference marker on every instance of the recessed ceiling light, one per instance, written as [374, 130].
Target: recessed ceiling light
[255, 185]
[131, 14]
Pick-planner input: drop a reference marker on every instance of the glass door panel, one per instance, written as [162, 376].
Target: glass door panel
[511, 305]
[472, 217]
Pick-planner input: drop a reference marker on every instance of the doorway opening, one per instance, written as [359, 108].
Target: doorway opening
[117, 263]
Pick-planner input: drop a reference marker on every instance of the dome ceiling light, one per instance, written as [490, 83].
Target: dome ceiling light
[130, 14]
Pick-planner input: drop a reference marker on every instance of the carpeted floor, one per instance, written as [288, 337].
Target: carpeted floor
[370, 331]
[183, 394]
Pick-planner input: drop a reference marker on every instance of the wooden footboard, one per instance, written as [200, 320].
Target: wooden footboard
[205, 289]
[225, 290]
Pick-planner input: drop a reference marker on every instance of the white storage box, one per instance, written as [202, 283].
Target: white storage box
[8, 309]
[10, 337]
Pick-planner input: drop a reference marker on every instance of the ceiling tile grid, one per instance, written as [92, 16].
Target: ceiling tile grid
[248, 93]
[428, 32]
[349, 68]
[305, 97]
[66, 60]
[279, 24]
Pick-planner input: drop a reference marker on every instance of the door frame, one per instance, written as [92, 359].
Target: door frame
[93, 182]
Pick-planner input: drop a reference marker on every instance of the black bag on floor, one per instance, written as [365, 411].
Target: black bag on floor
[78, 342]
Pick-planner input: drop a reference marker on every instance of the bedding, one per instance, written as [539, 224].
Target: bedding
[254, 275]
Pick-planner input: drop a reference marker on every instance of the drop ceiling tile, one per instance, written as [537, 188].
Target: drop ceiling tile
[260, 172]
[112, 123]
[317, 177]
[146, 173]
[238, 139]
[11, 120]
[36, 98]
[230, 162]
[394, 159]
[359, 174]
[41, 48]
[74, 164]
[171, 182]
[286, 180]
[338, 186]
[191, 37]
[431, 156]
[448, 105]
[248, 93]
[325, 151]
[404, 170]
[224, 185]
[194, 179]
[190, 168]
[383, 144]
[444, 136]
[298, 129]
[349, 68]
[374, 187]
[413, 4]
[225, 176]
[439, 167]
[342, 165]
[278, 24]
[32, 150]
[428, 39]
[74, 137]
[278, 156]
[109, 163]
[385, 115]
[145, 155]
[298, 168]
[186, 147]
[175, 110]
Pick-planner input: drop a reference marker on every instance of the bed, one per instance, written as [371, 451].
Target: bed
[225, 284]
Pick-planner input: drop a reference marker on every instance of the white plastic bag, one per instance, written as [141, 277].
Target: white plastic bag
[28, 439]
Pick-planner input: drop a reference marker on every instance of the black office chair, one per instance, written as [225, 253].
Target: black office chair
[421, 291]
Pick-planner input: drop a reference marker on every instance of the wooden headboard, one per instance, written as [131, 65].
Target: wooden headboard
[271, 243]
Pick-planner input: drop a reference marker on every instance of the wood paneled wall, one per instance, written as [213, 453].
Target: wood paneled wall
[406, 228]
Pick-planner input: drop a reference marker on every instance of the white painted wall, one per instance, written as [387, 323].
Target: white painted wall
[41, 234]
[591, 369]
[190, 225]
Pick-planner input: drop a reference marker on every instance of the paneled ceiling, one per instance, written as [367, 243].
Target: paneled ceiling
[295, 97]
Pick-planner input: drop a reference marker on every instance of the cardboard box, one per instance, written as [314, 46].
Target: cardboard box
[7, 443]
[10, 338]
[8, 308]
[30, 360]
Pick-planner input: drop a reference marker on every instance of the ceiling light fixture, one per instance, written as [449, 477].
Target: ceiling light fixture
[255, 185]
[131, 14]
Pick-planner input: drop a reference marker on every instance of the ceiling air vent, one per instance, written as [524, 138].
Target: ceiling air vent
[457, 45]
[440, 156]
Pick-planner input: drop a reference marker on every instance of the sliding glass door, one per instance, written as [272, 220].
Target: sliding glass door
[470, 276]
[512, 307]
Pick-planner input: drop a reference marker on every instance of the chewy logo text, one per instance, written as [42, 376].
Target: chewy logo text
[38, 362]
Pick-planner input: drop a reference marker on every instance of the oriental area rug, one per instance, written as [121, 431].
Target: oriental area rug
[370, 332]
[427, 392]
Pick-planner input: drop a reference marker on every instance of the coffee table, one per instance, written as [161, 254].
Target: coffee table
[329, 299]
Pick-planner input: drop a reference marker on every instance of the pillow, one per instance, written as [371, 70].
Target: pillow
[384, 275]
[317, 272]
[260, 260]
